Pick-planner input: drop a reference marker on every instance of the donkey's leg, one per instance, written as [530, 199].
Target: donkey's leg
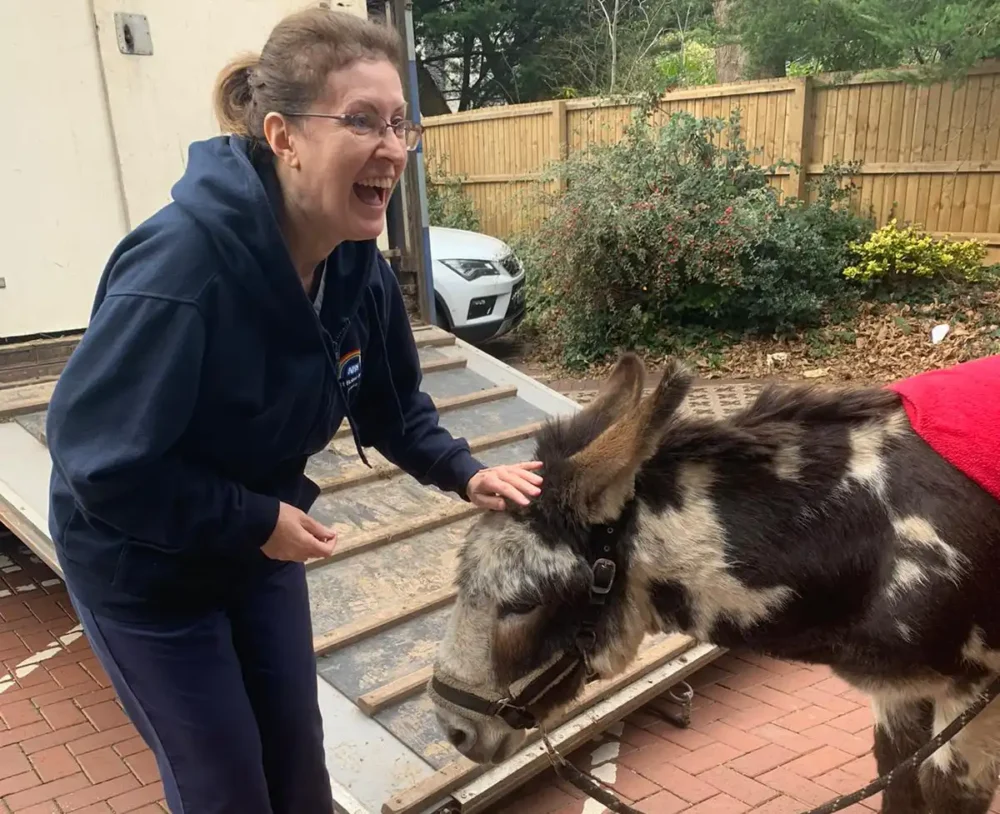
[902, 726]
[961, 776]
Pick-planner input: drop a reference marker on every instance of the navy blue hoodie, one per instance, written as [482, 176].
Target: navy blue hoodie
[204, 381]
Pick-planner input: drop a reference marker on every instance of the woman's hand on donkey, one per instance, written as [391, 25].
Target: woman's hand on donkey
[516, 482]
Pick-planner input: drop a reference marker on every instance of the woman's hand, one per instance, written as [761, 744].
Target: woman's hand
[297, 537]
[488, 487]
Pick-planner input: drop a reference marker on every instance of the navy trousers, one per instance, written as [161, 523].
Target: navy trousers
[227, 702]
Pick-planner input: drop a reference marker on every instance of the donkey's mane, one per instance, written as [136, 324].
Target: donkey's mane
[813, 404]
[778, 416]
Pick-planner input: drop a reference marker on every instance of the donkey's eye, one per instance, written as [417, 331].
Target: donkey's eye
[517, 609]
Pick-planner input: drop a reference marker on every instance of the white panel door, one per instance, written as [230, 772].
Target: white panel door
[162, 102]
[60, 206]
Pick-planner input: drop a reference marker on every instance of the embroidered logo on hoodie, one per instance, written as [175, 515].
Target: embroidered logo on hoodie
[349, 371]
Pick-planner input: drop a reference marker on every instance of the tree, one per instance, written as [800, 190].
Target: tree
[730, 56]
[629, 46]
[943, 39]
[483, 52]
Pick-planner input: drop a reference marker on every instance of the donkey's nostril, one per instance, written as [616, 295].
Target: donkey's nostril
[456, 737]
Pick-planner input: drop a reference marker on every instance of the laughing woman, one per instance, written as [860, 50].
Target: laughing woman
[232, 333]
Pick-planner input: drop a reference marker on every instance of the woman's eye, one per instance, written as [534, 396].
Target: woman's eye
[362, 121]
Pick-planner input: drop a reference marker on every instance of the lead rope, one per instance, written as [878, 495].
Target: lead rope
[595, 788]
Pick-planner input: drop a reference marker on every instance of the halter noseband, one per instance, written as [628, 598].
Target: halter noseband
[513, 708]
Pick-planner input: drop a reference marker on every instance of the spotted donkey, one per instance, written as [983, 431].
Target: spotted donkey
[813, 526]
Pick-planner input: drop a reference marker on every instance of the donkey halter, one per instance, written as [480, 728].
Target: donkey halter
[513, 708]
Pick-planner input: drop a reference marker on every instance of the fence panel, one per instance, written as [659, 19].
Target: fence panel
[929, 155]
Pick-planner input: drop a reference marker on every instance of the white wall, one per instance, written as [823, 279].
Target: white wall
[99, 137]
[60, 212]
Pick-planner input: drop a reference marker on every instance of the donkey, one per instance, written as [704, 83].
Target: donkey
[815, 525]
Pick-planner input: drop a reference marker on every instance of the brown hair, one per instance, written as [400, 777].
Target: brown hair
[292, 69]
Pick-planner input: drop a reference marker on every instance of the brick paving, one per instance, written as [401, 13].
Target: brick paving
[765, 736]
[65, 743]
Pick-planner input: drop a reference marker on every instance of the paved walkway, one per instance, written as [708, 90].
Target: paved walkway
[766, 736]
[65, 744]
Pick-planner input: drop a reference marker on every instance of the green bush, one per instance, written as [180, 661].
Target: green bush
[668, 230]
[891, 254]
[447, 203]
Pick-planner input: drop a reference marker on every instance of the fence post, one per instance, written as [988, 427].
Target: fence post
[800, 134]
[560, 142]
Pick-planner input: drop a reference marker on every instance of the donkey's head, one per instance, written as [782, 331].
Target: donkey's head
[545, 597]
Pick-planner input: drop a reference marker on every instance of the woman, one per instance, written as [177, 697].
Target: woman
[232, 334]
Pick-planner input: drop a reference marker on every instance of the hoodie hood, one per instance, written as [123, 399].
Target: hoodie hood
[230, 187]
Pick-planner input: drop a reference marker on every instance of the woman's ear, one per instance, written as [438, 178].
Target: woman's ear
[280, 139]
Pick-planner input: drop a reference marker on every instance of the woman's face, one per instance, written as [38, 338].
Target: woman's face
[343, 177]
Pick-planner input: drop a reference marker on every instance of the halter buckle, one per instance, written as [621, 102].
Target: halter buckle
[586, 640]
[516, 717]
[604, 576]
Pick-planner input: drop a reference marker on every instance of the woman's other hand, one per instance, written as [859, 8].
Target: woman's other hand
[297, 537]
[516, 482]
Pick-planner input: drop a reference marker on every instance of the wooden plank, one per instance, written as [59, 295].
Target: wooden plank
[443, 782]
[438, 365]
[869, 108]
[28, 398]
[987, 239]
[370, 625]
[757, 87]
[432, 337]
[451, 512]
[882, 76]
[361, 474]
[559, 138]
[487, 114]
[499, 439]
[797, 145]
[451, 403]
[372, 703]
[497, 178]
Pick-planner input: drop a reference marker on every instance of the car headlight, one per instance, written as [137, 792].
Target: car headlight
[472, 269]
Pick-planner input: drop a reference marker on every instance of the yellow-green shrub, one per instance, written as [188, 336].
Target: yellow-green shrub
[894, 252]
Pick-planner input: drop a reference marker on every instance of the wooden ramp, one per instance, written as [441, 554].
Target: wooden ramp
[379, 604]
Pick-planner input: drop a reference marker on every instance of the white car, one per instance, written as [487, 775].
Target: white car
[478, 284]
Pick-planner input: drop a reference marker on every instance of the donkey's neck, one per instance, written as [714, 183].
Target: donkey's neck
[682, 555]
[778, 544]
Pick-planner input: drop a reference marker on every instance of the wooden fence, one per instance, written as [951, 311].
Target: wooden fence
[931, 155]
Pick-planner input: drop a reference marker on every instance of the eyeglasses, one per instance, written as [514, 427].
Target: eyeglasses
[364, 124]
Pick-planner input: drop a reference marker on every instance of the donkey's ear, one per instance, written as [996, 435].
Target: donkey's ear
[663, 403]
[605, 469]
[620, 392]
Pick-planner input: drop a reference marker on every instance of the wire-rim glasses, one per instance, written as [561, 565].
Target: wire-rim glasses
[364, 124]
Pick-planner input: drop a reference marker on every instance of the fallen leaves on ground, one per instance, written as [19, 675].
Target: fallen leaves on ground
[881, 344]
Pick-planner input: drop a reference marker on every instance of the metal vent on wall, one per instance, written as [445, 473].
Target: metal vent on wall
[133, 34]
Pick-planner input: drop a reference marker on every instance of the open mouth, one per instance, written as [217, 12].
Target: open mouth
[374, 191]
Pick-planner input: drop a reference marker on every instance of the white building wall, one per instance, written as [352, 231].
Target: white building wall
[99, 137]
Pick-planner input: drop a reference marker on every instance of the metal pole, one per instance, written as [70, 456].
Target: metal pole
[395, 222]
[417, 195]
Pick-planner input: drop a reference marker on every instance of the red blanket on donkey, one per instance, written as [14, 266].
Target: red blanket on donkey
[957, 412]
